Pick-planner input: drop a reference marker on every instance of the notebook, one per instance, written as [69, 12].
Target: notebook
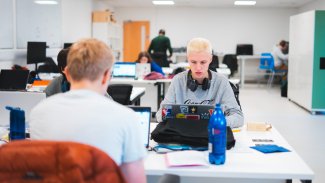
[142, 70]
[186, 111]
[13, 79]
[144, 114]
[24, 100]
[124, 70]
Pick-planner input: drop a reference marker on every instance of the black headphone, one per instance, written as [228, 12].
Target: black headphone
[192, 84]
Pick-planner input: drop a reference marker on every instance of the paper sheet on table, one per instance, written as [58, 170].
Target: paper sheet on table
[186, 159]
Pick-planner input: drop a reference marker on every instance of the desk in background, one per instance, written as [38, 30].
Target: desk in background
[243, 164]
[243, 59]
[155, 89]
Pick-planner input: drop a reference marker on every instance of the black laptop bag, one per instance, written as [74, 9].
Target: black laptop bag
[187, 132]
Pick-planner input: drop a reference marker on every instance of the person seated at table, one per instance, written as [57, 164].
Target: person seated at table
[84, 115]
[280, 58]
[61, 84]
[199, 85]
[144, 58]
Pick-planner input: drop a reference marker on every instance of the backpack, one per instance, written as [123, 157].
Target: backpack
[181, 131]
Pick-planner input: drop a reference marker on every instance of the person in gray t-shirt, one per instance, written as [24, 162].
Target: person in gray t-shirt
[199, 85]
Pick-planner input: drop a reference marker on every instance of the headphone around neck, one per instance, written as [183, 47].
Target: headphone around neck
[192, 84]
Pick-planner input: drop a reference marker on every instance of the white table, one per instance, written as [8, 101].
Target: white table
[23, 100]
[243, 164]
[137, 93]
[243, 59]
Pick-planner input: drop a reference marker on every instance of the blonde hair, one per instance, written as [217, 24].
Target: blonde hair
[196, 45]
[89, 59]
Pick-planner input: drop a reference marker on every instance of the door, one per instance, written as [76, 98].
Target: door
[135, 39]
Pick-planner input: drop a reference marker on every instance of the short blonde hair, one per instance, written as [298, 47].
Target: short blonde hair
[196, 45]
[89, 59]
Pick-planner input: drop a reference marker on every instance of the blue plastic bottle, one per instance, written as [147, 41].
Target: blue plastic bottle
[217, 130]
[17, 123]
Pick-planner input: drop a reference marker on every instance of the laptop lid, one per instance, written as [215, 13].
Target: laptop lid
[24, 100]
[144, 114]
[186, 111]
[124, 69]
[13, 79]
[142, 70]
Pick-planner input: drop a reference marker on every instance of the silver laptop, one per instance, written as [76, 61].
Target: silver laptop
[142, 70]
[144, 114]
[24, 100]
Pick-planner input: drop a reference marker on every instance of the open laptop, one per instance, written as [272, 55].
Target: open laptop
[187, 111]
[24, 100]
[144, 114]
[124, 70]
[142, 70]
[13, 79]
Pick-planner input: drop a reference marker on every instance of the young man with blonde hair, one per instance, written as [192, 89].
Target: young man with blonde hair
[199, 85]
[85, 115]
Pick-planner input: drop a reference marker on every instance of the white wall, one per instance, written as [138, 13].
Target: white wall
[76, 24]
[315, 5]
[223, 27]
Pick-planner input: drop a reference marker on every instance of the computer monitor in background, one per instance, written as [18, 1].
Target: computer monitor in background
[244, 49]
[67, 45]
[36, 53]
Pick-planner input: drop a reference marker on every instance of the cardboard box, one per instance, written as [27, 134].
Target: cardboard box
[101, 16]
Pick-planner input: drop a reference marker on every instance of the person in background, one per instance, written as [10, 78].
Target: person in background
[158, 49]
[280, 58]
[144, 58]
[83, 114]
[61, 84]
[199, 85]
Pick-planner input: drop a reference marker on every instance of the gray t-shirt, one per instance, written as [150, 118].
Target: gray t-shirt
[219, 92]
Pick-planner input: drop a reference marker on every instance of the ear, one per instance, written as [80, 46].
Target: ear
[67, 74]
[106, 76]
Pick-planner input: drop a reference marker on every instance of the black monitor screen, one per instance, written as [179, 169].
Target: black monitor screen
[67, 45]
[244, 49]
[36, 52]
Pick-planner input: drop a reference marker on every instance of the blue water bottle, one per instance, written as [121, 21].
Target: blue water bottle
[217, 130]
[17, 124]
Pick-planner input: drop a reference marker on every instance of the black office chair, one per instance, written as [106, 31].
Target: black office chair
[214, 64]
[120, 93]
[231, 61]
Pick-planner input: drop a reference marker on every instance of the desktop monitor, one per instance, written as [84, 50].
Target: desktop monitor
[67, 45]
[36, 52]
[244, 49]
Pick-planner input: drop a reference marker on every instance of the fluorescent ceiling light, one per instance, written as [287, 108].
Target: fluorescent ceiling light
[163, 2]
[245, 3]
[46, 2]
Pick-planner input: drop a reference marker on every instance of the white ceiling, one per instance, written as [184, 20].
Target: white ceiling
[210, 3]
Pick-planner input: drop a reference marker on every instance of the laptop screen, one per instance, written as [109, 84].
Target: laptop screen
[142, 69]
[144, 114]
[186, 111]
[124, 69]
[13, 79]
